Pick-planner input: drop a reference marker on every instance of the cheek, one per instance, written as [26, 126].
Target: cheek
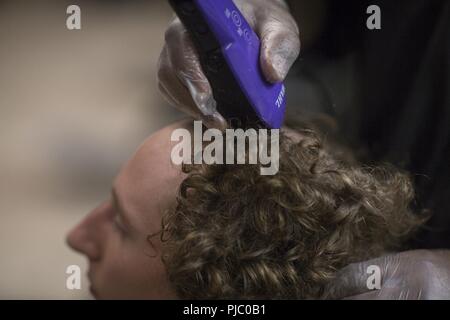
[128, 272]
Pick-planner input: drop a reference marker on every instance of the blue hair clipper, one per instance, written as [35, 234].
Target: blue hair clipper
[229, 53]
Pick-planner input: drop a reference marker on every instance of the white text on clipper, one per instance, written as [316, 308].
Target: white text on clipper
[280, 98]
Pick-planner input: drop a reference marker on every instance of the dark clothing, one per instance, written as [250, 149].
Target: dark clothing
[403, 115]
[407, 103]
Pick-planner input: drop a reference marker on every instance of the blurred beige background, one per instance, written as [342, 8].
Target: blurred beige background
[73, 107]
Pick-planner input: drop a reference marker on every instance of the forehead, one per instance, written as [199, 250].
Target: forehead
[147, 184]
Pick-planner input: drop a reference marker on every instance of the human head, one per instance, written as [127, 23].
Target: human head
[226, 231]
[115, 236]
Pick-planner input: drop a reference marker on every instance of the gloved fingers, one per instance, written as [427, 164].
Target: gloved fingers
[280, 42]
[389, 294]
[178, 95]
[190, 111]
[417, 274]
[349, 281]
[354, 279]
[185, 64]
[212, 121]
[174, 91]
[181, 76]
[371, 295]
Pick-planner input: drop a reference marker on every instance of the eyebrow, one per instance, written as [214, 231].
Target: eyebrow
[121, 211]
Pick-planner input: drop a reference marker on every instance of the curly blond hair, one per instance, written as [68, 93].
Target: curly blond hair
[236, 234]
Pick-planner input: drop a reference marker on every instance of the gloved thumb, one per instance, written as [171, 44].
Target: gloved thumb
[280, 47]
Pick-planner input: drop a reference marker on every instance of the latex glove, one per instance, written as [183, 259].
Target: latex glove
[409, 275]
[182, 81]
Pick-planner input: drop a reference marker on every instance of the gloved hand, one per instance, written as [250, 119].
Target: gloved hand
[181, 80]
[409, 275]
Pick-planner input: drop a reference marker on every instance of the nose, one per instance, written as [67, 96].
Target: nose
[87, 237]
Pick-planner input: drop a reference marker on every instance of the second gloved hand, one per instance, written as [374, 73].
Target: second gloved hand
[409, 275]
